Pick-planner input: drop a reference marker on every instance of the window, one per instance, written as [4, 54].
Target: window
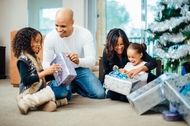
[47, 19]
[125, 14]
[133, 16]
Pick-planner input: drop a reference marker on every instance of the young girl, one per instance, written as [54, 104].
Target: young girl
[33, 90]
[135, 53]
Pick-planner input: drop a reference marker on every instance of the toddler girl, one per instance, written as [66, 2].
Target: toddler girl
[135, 53]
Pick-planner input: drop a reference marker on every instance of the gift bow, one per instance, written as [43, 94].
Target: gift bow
[185, 89]
[117, 74]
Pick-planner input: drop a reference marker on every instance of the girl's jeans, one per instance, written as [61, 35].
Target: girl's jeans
[60, 91]
[85, 83]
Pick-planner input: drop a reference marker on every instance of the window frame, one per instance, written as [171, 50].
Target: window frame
[41, 17]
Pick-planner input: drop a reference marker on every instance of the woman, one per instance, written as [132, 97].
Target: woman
[115, 53]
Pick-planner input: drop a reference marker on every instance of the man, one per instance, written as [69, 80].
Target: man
[78, 43]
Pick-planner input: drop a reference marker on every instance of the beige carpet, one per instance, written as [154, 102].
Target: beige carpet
[80, 111]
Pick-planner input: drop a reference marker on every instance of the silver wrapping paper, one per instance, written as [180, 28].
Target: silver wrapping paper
[68, 72]
[180, 101]
[149, 95]
[119, 85]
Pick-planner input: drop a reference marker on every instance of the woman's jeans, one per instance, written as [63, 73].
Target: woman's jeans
[85, 83]
[116, 96]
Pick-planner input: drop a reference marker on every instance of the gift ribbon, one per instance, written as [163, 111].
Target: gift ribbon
[185, 89]
[116, 69]
[117, 74]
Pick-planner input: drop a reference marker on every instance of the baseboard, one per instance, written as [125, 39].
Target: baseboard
[2, 76]
[8, 76]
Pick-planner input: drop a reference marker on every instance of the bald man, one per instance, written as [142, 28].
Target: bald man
[78, 43]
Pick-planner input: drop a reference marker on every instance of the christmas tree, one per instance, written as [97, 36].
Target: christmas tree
[171, 33]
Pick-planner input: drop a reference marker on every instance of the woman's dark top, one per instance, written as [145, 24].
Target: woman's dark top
[26, 78]
[108, 64]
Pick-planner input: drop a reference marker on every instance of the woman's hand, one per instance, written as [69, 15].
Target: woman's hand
[116, 67]
[133, 72]
[50, 70]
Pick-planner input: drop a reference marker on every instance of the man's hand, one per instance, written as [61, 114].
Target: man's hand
[73, 57]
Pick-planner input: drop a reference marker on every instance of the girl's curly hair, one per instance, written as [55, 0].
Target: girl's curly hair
[22, 41]
[111, 41]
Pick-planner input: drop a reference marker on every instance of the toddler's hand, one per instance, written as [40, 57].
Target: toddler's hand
[123, 71]
[114, 67]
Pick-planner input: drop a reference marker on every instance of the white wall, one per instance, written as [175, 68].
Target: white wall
[13, 16]
[79, 8]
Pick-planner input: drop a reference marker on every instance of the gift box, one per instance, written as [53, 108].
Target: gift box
[174, 92]
[149, 95]
[68, 72]
[119, 85]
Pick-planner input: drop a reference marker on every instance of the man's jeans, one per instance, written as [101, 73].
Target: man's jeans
[87, 84]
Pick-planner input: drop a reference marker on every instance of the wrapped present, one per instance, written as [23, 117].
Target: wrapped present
[122, 86]
[149, 95]
[178, 93]
[138, 85]
[68, 72]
